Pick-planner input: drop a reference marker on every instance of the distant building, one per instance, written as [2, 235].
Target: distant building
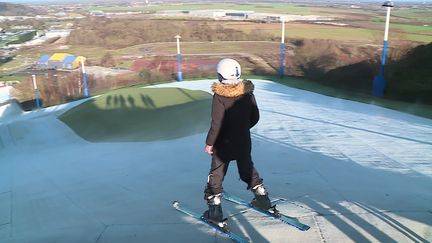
[22, 27]
[60, 61]
[56, 60]
[273, 18]
[232, 14]
[60, 14]
[58, 33]
[236, 14]
[68, 62]
[97, 13]
[42, 62]
[73, 62]
[219, 14]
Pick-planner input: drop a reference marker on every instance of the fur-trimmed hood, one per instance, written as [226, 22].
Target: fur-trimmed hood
[233, 90]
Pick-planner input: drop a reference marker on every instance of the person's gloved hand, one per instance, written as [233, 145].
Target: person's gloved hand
[209, 149]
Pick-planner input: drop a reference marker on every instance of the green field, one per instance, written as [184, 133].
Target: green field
[411, 37]
[141, 114]
[421, 15]
[257, 7]
[12, 65]
[408, 21]
[420, 29]
[12, 78]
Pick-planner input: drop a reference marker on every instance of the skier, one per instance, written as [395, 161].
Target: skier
[234, 112]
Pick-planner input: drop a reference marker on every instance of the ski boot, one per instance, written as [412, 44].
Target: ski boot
[214, 214]
[261, 200]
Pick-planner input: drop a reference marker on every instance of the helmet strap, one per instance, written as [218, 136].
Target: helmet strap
[220, 77]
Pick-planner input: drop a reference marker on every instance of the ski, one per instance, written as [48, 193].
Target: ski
[198, 217]
[286, 219]
[248, 209]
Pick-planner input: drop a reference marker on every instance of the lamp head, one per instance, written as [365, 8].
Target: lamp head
[388, 4]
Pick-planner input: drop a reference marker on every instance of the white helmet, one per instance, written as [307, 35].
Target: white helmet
[229, 70]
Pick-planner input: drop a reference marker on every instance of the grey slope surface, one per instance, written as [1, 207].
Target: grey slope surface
[353, 172]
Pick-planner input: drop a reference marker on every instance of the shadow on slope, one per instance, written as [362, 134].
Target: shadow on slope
[137, 114]
[347, 200]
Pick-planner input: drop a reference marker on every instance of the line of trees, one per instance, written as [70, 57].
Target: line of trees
[119, 33]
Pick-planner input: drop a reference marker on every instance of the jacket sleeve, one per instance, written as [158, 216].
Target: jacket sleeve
[217, 115]
[255, 112]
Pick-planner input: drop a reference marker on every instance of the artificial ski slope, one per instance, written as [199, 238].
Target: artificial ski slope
[353, 172]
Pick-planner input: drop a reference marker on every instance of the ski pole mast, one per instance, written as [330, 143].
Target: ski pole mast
[282, 49]
[179, 72]
[384, 53]
[84, 74]
[36, 92]
[379, 83]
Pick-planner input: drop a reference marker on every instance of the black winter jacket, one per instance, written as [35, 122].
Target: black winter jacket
[234, 112]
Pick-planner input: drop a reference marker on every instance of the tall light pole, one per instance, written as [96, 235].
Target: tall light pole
[36, 92]
[84, 74]
[179, 72]
[282, 49]
[379, 82]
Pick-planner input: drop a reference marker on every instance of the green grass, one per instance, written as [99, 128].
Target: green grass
[141, 114]
[411, 37]
[257, 7]
[87, 51]
[13, 78]
[418, 14]
[405, 31]
[15, 63]
[299, 83]
[125, 64]
[331, 33]
[413, 28]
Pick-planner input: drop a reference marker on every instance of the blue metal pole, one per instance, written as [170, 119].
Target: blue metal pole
[38, 106]
[282, 50]
[86, 91]
[282, 60]
[179, 72]
[37, 99]
[383, 58]
[379, 83]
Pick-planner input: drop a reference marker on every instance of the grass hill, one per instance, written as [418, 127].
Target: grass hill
[141, 114]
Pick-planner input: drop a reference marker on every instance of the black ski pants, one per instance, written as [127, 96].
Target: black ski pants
[219, 168]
